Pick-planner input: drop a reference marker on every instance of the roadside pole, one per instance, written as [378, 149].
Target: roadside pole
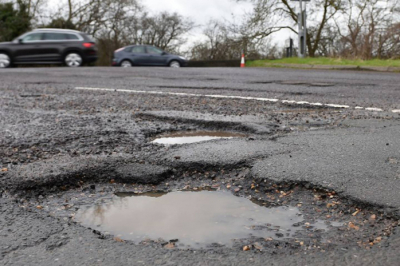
[302, 28]
[305, 29]
[289, 47]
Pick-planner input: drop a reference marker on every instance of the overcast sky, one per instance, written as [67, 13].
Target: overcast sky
[200, 11]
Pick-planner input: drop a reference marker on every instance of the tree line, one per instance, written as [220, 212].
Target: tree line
[338, 28]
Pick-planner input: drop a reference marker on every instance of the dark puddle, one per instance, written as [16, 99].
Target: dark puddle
[194, 136]
[195, 219]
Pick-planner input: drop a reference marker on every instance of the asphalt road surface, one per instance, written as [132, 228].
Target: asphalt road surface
[324, 141]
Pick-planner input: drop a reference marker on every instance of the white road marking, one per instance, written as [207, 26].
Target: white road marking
[233, 97]
[236, 97]
[286, 101]
[337, 106]
[374, 109]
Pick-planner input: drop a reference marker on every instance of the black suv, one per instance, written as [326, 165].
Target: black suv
[49, 46]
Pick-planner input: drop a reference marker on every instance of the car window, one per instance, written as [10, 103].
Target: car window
[32, 37]
[51, 36]
[154, 50]
[72, 37]
[138, 50]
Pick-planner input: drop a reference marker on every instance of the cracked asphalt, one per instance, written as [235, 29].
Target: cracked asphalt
[57, 141]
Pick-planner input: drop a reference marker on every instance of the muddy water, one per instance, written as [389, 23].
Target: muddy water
[195, 136]
[196, 219]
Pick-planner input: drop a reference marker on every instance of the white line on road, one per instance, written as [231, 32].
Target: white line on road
[236, 97]
[337, 106]
[374, 109]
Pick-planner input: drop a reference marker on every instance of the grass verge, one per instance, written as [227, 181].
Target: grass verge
[324, 61]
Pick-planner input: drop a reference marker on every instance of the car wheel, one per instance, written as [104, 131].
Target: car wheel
[5, 61]
[73, 60]
[126, 63]
[174, 64]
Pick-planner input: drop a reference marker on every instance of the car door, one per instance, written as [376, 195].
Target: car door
[157, 57]
[138, 55]
[53, 44]
[29, 49]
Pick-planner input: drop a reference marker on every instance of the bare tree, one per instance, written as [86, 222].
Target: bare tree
[97, 16]
[34, 6]
[218, 46]
[165, 30]
[270, 16]
[367, 28]
[225, 42]
[109, 24]
[391, 48]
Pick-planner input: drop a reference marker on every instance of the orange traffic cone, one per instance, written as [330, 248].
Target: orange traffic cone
[243, 62]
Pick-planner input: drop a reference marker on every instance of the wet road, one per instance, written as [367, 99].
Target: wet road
[356, 89]
[65, 128]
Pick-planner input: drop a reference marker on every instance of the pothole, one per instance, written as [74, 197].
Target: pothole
[259, 215]
[194, 136]
[194, 219]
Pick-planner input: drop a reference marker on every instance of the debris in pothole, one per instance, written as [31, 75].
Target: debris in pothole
[246, 248]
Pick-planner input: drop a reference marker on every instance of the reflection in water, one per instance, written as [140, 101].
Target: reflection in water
[197, 219]
[194, 136]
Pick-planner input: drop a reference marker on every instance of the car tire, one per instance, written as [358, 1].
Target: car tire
[5, 60]
[174, 64]
[126, 63]
[73, 59]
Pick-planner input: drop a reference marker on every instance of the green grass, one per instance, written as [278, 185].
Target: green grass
[325, 61]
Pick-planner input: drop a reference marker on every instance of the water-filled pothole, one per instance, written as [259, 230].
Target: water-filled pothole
[194, 136]
[195, 219]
